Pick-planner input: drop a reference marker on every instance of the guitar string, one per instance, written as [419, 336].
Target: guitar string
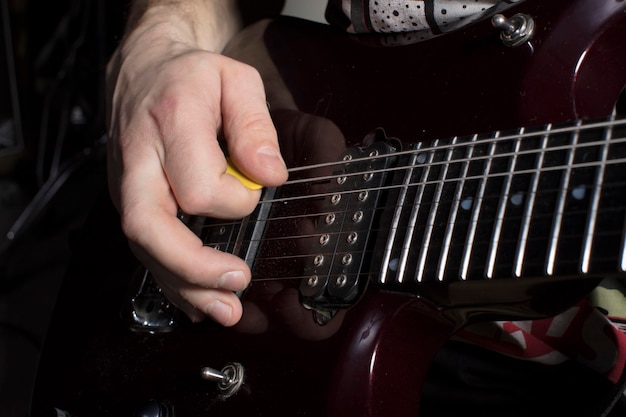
[318, 214]
[449, 180]
[263, 263]
[493, 137]
[522, 172]
[500, 156]
[461, 145]
[550, 132]
[436, 246]
[300, 236]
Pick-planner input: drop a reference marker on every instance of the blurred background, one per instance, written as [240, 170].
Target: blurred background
[52, 58]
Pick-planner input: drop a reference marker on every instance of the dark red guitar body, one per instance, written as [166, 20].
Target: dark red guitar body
[371, 359]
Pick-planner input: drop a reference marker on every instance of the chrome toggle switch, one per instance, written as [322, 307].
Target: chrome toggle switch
[516, 30]
[229, 379]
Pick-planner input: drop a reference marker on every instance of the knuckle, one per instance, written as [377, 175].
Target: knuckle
[197, 203]
[242, 69]
[167, 105]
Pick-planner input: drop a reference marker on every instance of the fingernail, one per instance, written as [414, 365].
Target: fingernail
[195, 316]
[219, 311]
[232, 281]
[271, 158]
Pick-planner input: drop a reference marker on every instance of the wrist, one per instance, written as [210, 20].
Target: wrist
[203, 24]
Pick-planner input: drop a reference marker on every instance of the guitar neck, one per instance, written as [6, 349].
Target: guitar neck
[547, 202]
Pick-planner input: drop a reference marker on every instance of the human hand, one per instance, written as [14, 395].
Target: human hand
[169, 100]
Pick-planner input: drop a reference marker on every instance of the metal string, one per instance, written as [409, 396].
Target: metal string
[550, 132]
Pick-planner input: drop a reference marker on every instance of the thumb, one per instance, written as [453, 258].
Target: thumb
[248, 128]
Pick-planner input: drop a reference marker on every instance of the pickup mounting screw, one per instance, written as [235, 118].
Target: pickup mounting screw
[341, 280]
[312, 281]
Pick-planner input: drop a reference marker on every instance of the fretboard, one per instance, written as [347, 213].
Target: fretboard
[545, 202]
[542, 202]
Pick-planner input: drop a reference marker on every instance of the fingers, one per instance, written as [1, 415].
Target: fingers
[165, 155]
[198, 279]
[201, 281]
[187, 116]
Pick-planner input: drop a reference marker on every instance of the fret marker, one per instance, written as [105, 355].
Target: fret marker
[393, 264]
[421, 158]
[517, 199]
[579, 192]
[467, 204]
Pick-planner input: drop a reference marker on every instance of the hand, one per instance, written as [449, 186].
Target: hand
[306, 139]
[169, 101]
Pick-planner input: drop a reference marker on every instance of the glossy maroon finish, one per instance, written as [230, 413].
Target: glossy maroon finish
[462, 82]
[387, 357]
[578, 70]
[327, 91]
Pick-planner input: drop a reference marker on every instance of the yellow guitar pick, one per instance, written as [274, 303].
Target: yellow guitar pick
[231, 169]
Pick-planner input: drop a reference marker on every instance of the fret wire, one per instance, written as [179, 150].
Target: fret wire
[396, 216]
[456, 202]
[497, 230]
[595, 202]
[560, 206]
[623, 260]
[530, 204]
[240, 236]
[473, 224]
[404, 255]
[434, 208]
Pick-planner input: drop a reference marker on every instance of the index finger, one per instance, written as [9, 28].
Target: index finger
[187, 119]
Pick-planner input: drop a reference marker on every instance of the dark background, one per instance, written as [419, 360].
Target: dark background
[52, 64]
[53, 56]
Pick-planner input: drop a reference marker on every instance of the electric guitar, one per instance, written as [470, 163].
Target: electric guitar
[402, 221]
